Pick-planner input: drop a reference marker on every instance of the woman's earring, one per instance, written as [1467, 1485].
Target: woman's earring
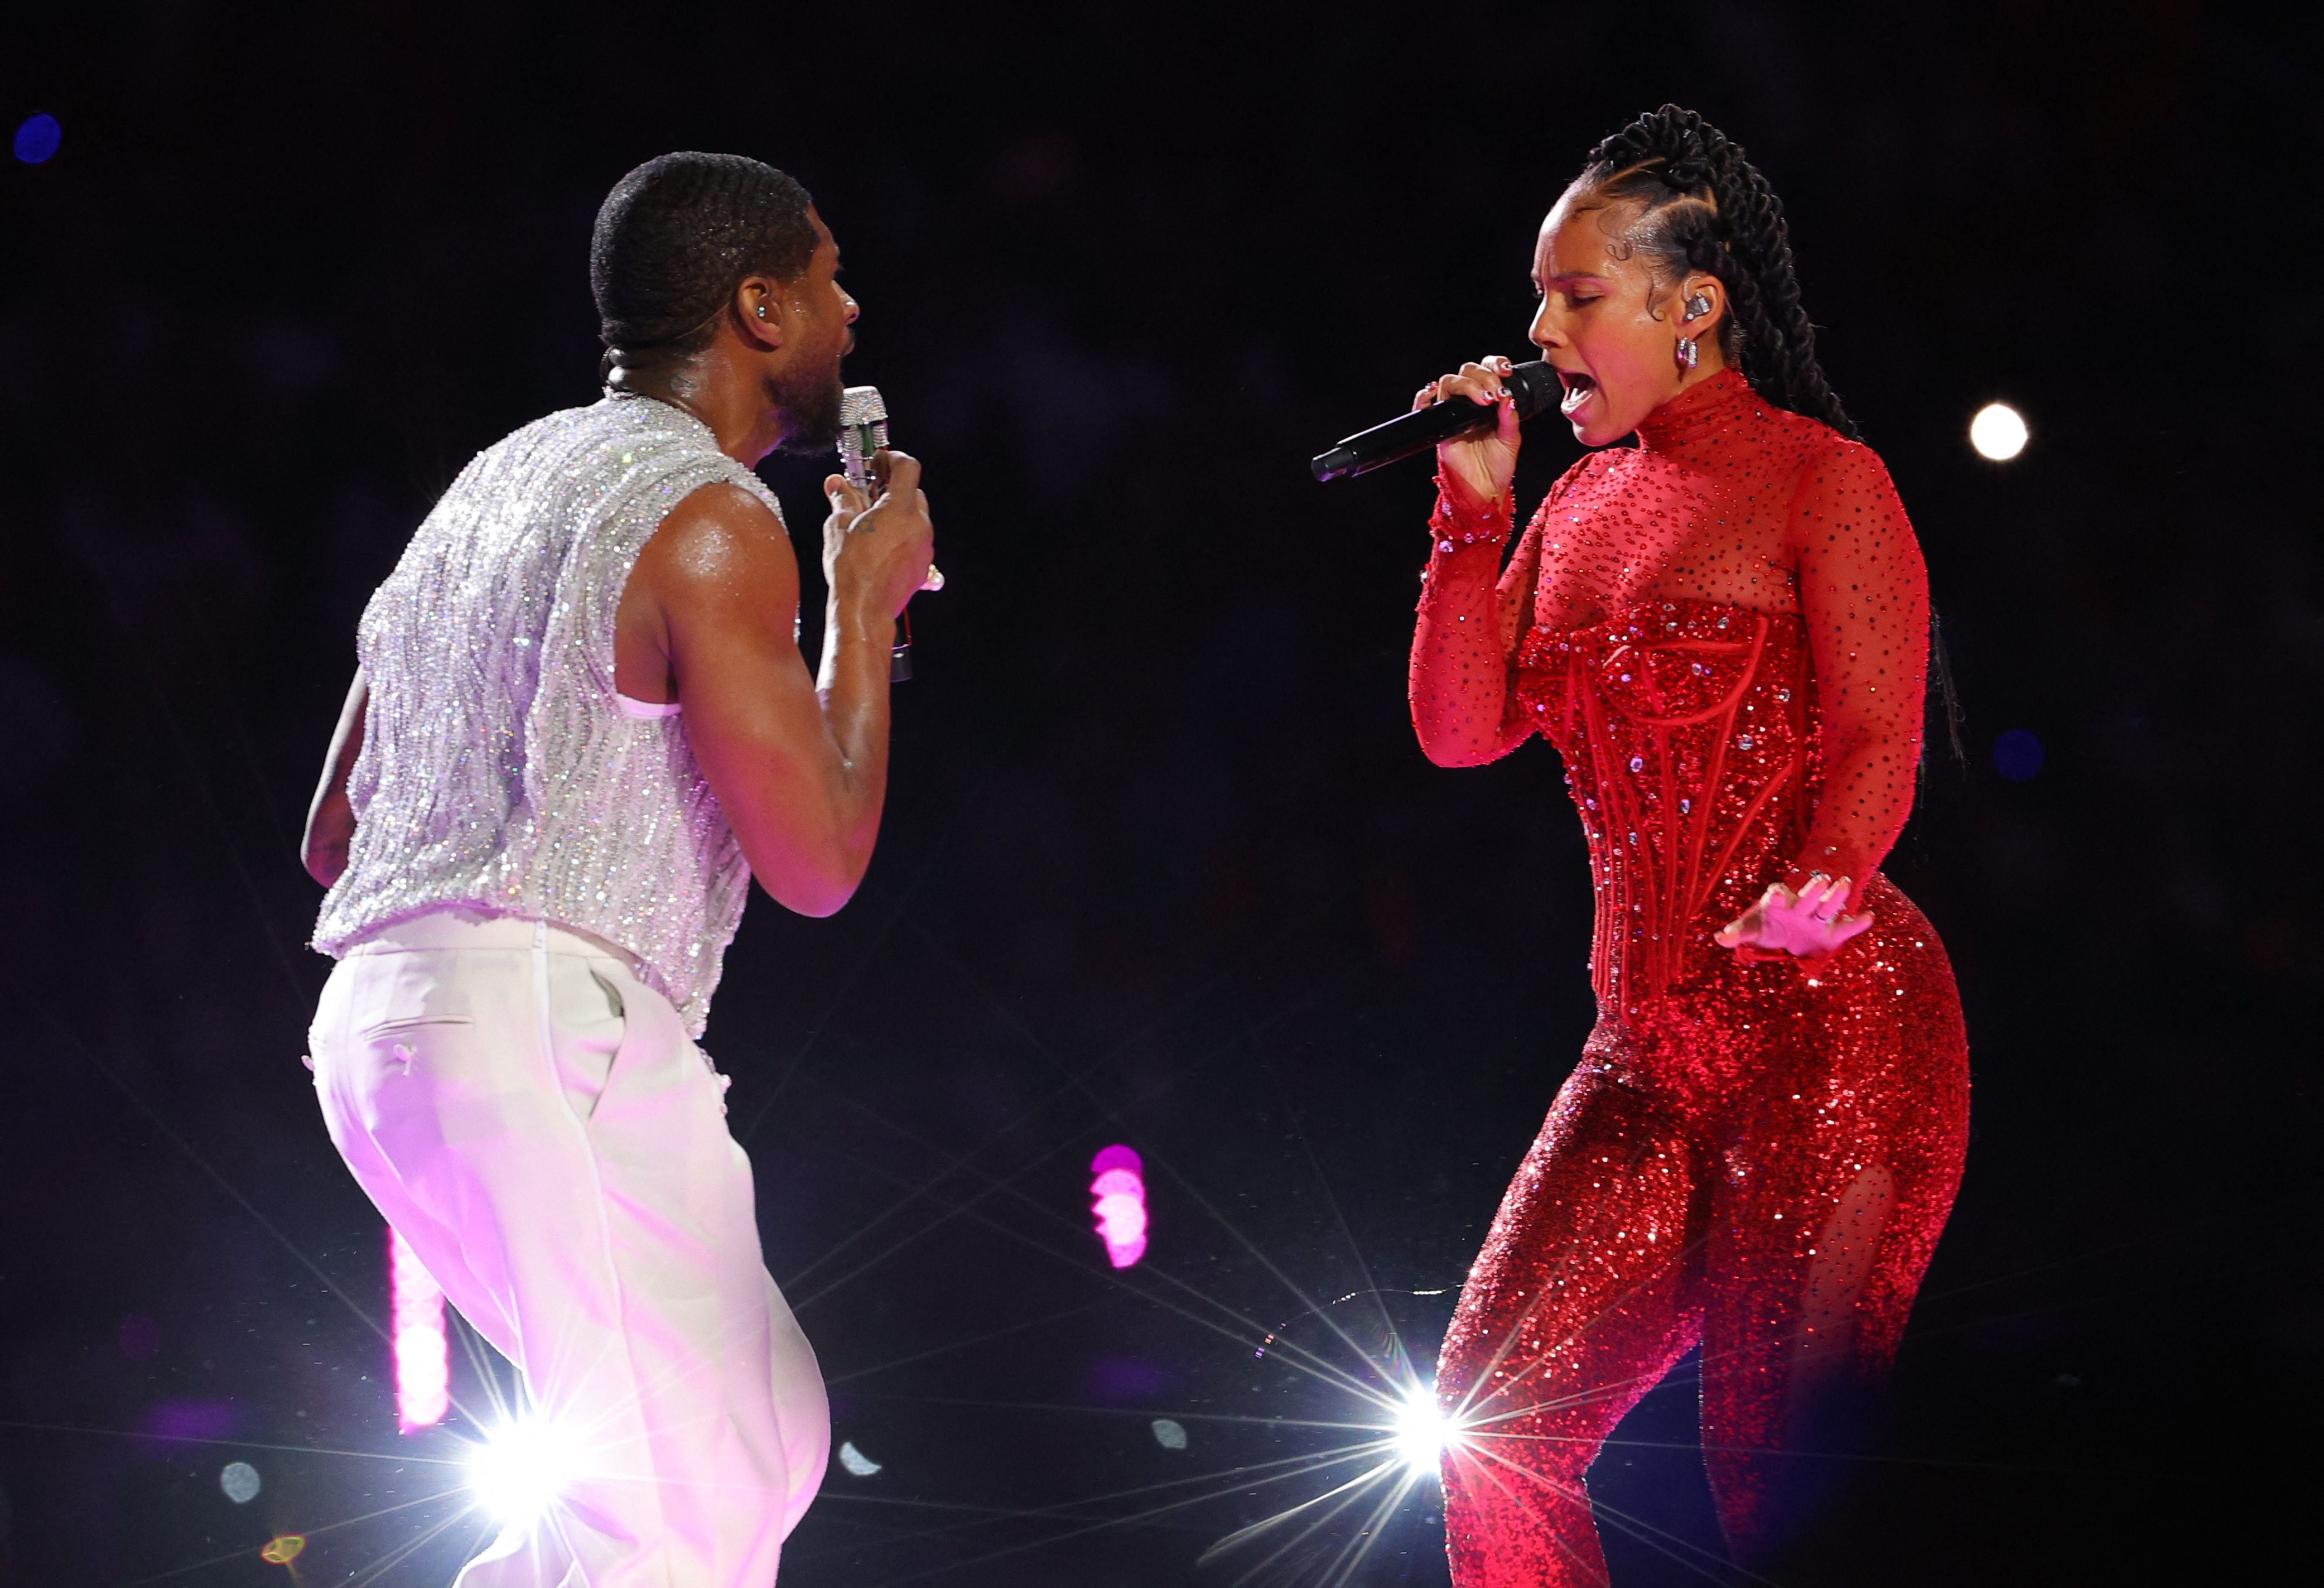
[1697, 306]
[1689, 355]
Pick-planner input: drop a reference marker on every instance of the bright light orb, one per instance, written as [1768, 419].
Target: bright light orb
[1421, 1430]
[521, 1472]
[1117, 1198]
[240, 1482]
[1998, 432]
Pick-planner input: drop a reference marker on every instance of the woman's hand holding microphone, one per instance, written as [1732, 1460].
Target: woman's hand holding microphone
[1476, 467]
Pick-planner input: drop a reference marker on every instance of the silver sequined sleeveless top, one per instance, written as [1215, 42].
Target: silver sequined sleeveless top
[497, 772]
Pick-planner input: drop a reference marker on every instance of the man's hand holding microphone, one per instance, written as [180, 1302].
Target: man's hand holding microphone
[878, 549]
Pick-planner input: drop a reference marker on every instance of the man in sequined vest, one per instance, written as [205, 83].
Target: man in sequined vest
[580, 725]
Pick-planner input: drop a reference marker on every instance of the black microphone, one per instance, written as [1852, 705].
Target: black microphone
[1533, 385]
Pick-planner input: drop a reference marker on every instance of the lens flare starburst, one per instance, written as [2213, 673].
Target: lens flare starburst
[521, 1471]
[1423, 1430]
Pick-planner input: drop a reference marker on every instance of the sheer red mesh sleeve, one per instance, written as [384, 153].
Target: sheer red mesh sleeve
[1864, 594]
[1473, 613]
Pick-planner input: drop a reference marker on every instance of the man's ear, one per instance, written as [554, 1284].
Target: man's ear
[761, 307]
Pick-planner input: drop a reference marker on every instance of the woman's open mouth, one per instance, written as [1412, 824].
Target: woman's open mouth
[1578, 387]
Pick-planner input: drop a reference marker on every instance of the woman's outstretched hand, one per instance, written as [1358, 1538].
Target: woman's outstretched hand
[1478, 465]
[1807, 925]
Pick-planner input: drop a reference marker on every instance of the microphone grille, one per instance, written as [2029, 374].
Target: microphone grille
[1532, 387]
[861, 405]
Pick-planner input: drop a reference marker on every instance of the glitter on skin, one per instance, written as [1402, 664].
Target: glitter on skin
[1724, 633]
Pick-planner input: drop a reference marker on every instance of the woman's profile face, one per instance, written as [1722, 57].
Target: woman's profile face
[1610, 333]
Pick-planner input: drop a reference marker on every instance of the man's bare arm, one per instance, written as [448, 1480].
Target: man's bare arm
[801, 772]
[330, 819]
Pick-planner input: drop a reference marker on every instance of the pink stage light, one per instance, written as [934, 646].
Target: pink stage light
[423, 1361]
[1119, 1190]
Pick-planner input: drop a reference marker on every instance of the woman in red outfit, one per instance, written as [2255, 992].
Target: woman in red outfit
[1724, 630]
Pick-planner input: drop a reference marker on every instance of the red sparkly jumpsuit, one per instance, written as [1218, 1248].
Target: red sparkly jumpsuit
[1723, 631]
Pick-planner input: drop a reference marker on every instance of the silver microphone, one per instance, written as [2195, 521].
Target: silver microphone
[862, 431]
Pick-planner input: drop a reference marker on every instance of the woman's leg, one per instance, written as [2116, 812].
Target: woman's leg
[1579, 1304]
[1837, 1180]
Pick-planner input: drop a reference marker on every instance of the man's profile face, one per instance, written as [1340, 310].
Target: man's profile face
[808, 389]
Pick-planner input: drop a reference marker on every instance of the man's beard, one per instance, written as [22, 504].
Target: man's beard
[811, 412]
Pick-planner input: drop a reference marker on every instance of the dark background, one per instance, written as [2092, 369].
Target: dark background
[1163, 864]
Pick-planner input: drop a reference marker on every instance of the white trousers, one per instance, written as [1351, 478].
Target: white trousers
[533, 1119]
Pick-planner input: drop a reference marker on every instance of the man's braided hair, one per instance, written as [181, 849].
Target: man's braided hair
[676, 237]
[1702, 207]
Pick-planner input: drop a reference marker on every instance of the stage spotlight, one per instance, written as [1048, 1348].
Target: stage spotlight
[857, 1463]
[1421, 1430]
[240, 1482]
[423, 1358]
[521, 1471]
[1119, 1200]
[1998, 432]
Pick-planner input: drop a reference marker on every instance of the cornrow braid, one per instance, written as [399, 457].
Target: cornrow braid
[1703, 206]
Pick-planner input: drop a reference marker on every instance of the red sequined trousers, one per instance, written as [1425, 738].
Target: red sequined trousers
[1754, 1155]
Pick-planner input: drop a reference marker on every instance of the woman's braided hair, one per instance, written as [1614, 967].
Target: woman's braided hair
[1702, 206]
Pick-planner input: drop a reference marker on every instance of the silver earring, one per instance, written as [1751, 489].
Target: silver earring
[763, 311]
[1689, 355]
[1697, 306]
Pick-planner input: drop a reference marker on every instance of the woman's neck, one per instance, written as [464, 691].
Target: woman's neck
[1700, 407]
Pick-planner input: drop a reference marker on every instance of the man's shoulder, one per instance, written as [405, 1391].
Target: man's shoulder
[721, 513]
[720, 556]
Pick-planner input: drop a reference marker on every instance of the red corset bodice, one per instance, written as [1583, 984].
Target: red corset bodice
[1722, 630]
[1686, 731]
